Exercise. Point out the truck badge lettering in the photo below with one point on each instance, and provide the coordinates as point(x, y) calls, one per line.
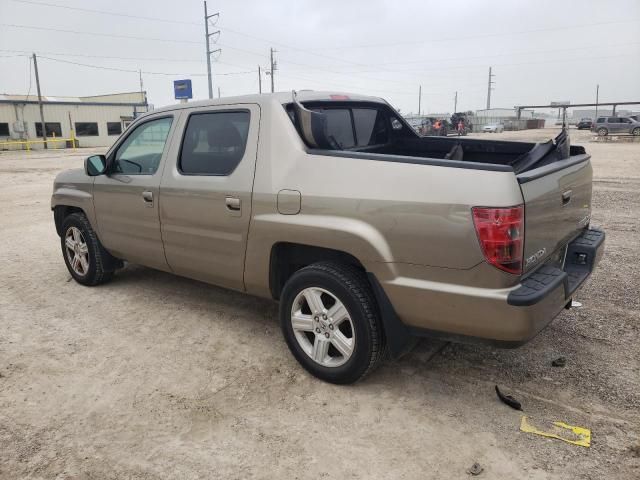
point(535, 257)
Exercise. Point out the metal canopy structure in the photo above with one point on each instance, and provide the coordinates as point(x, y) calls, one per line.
point(519, 108)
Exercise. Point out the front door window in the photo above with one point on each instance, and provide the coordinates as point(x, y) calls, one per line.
point(141, 152)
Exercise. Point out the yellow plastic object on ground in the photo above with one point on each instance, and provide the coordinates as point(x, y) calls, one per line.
point(560, 430)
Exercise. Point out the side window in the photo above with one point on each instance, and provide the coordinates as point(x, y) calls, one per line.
point(613, 120)
point(114, 128)
point(53, 129)
point(141, 151)
point(86, 129)
point(214, 143)
point(600, 120)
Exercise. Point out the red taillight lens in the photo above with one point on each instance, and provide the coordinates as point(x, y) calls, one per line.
point(501, 235)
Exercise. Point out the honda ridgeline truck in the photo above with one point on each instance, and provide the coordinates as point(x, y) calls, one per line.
point(368, 234)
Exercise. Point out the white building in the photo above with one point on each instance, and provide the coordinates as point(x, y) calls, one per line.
point(96, 121)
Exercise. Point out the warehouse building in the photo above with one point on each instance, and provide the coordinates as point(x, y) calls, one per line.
point(94, 121)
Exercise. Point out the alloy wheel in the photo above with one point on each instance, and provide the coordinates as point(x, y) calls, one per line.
point(77, 251)
point(323, 327)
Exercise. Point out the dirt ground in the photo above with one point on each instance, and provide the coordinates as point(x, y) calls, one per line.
point(155, 376)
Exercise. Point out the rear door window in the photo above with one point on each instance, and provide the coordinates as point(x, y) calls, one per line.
point(214, 143)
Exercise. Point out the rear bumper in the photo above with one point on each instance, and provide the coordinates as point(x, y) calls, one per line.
point(508, 317)
point(583, 254)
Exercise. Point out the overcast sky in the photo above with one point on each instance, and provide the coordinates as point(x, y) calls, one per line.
point(540, 51)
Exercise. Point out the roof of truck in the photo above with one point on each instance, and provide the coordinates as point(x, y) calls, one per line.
point(280, 97)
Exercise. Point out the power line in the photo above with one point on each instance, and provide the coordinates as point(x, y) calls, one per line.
point(528, 52)
point(98, 34)
point(128, 37)
point(486, 35)
point(112, 57)
point(100, 67)
point(103, 12)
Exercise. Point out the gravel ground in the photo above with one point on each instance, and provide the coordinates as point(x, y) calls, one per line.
point(155, 376)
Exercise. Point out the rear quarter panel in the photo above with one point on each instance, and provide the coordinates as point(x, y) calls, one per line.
point(381, 212)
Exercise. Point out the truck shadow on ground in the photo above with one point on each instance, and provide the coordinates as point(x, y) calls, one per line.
point(589, 373)
point(251, 313)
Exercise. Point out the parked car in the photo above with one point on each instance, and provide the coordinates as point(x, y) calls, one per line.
point(616, 125)
point(584, 123)
point(493, 128)
point(367, 233)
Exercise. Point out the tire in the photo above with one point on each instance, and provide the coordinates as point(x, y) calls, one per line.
point(99, 265)
point(359, 333)
point(603, 132)
point(636, 131)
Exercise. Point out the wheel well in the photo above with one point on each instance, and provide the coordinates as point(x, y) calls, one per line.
point(287, 258)
point(60, 212)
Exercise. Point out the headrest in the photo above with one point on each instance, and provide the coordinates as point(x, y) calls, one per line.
point(224, 135)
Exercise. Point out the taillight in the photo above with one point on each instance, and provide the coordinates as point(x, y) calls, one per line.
point(501, 235)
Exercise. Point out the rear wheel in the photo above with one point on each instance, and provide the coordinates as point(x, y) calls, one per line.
point(636, 131)
point(86, 259)
point(602, 132)
point(330, 321)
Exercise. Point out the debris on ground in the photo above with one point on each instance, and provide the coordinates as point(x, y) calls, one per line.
point(559, 362)
point(475, 469)
point(508, 400)
point(635, 450)
point(567, 433)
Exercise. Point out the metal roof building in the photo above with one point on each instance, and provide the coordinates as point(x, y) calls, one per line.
point(96, 121)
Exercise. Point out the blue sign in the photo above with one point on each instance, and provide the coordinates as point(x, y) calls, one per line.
point(182, 89)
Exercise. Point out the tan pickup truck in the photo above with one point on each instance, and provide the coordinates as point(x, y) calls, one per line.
point(366, 233)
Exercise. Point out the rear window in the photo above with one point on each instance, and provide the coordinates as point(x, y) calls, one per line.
point(601, 120)
point(355, 127)
point(370, 126)
point(339, 126)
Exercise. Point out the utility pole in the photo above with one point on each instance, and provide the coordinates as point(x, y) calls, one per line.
point(259, 80)
point(597, 95)
point(489, 88)
point(142, 96)
point(218, 92)
point(44, 128)
point(207, 37)
point(419, 99)
point(455, 103)
point(274, 67)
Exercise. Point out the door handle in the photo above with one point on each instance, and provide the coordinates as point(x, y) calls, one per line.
point(566, 197)
point(232, 203)
point(147, 197)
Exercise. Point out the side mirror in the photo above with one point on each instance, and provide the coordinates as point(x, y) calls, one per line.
point(95, 165)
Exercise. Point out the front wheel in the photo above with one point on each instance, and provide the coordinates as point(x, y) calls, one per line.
point(86, 259)
point(330, 321)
